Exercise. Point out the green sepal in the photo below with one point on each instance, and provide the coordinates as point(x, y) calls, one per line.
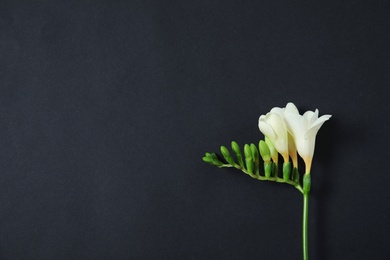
point(275, 170)
point(227, 156)
point(295, 175)
point(264, 151)
point(267, 169)
point(306, 183)
point(255, 157)
point(286, 171)
point(248, 158)
point(237, 151)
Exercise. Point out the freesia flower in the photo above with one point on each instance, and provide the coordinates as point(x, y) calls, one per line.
point(272, 125)
point(287, 133)
point(304, 129)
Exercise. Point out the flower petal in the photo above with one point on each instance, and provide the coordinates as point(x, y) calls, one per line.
point(312, 131)
point(320, 121)
point(311, 116)
point(277, 110)
point(296, 124)
point(266, 129)
point(291, 108)
point(315, 117)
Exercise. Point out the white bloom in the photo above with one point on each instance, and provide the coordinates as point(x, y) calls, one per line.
point(304, 129)
point(272, 125)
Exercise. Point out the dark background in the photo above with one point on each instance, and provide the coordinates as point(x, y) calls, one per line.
point(107, 107)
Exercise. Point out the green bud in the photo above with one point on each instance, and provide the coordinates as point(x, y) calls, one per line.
point(214, 159)
point(267, 169)
point(247, 151)
point(207, 159)
point(248, 158)
point(249, 165)
point(264, 151)
point(306, 183)
point(237, 151)
point(227, 156)
point(286, 171)
point(255, 157)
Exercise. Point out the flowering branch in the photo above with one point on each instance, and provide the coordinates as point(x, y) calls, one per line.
point(252, 165)
point(286, 133)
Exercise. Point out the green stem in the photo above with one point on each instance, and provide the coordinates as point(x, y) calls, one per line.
point(304, 226)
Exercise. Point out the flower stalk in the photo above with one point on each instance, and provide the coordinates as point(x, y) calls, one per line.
point(305, 217)
point(305, 220)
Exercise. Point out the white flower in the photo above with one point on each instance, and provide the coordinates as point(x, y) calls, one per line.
point(304, 129)
point(272, 125)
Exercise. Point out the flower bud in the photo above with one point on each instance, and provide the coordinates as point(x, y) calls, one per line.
point(248, 158)
point(207, 159)
point(255, 157)
point(227, 156)
point(212, 159)
point(264, 151)
point(237, 151)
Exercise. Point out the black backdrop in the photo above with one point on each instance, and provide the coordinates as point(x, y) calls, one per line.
point(107, 107)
